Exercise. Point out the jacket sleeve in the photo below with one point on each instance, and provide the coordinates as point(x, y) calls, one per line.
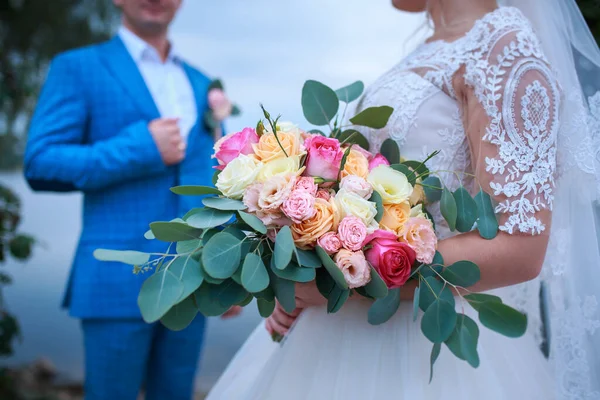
point(57, 157)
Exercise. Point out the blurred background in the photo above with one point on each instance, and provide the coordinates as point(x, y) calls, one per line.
point(263, 50)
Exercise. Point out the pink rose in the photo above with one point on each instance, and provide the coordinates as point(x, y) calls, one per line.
point(324, 157)
point(352, 232)
point(419, 235)
point(358, 185)
point(231, 146)
point(354, 266)
point(251, 196)
point(275, 191)
point(378, 160)
point(392, 259)
point(300, 206)
point(219, 104)
point(307, 184)
point(330, 242)
point(323, 194)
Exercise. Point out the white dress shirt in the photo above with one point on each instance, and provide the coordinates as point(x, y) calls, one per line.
point(167, 81)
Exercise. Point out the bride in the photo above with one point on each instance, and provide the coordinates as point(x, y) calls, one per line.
point(496, 89)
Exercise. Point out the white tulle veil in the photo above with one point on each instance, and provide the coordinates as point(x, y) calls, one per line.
point(571, 273)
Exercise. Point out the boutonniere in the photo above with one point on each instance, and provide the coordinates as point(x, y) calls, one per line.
point(219, 108)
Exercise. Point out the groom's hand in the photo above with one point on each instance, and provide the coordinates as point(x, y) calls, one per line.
point(166, 135)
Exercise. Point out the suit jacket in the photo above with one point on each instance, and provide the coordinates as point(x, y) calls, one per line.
point(90, 133)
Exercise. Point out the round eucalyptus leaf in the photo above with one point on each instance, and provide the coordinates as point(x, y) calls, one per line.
point(337, 298)
point(285, 291)
point(209, 218)
point(349, 93)
point(188, 246)
point(431, 289)
point(174, 231)
point(255, 277)
point(130, 257)
point(376, 198)
point(466, 210)
point(230, 293)
point(439, 321)
point(487, 223)
point(265, 307)
point(433, 189)
point(448, 208)
point(180, 315)
point(391, 151)
point(194, 190)
point(223, 203)
point(284, 248)
point(502, 319)
point(158, 294)
point(373, 117)
point(376, 288)
point(332, 268)
point(188, 271)
point(476, 299)
point(221, 255)
point(463, 340)
point(320, 104)
point(254, 222)
point(295, 273)
point(307, 258)
point(462, 273)
point(383, 309)
point(352, 136)
point(207, 301)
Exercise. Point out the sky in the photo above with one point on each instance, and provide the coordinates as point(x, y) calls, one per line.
point(264, 50)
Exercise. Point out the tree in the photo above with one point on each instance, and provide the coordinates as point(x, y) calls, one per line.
point(31, 33)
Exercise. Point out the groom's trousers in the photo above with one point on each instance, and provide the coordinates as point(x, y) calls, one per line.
point(124, 355)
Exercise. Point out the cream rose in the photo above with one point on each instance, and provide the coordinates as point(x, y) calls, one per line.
point(348, 203)
point(417, 212)
point(392, 185)
point(237, 176)
point(280, 166)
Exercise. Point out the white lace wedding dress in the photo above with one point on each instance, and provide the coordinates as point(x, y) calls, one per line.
point(512, 103)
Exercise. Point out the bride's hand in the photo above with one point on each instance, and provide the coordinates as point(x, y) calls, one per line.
point(280, 321)
point(307, 295)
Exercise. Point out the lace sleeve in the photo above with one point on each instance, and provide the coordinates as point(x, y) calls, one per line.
point(510, 108)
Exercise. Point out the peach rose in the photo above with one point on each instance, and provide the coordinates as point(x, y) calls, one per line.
point(354, 266)
point(275, 191)
point(352, 232)
point(419, 235)
point(395, 216)
point(356, 164)
point(267, 149)
point(330, 242)
point(418, 194)
point(307, 232)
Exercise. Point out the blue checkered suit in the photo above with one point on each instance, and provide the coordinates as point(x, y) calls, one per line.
point(89, 133)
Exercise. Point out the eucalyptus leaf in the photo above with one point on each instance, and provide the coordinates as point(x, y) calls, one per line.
point(406, 171)
point(431, 271)
point(476, 299)
point(267, 294)
point(391, 151)
point(234, 231)
point(215, 177)
point(376, 288)
point(416, 303)
point(221, 255)
point(320, 103)
point(194, 190)
point(332, 268)
point(435, 353)
point(463, 340)
point(325, 283)
point(295, 273)
point(431, 289)
point(376, 198)
point(180, 315)
point(246, 301)
point(419, 168)
point(487, 223)
point(223, 203)
point(349, 93)
point(466, 209)
point(502, 319)
point(207, 301)
point(174, 231)
point(336, 299)
point(462, 273)
point(307, 258)
point(317, 131)
point(255, 277)
point(158, 294)
point(265, 307)
point(383, 309)
point(149, 235)
point(188, 271)
point(448, 208)
point(192, 212)
point(254, 222)
point(230, 293)
point(373, 117)
point(439, 321)
point(352, 136)
point(285, 292)
point(432, 186)
point(130, 257)
point(209, 218)
point(284, 248)
point(188, 246)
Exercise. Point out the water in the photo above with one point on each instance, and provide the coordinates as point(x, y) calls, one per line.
point(38, 286)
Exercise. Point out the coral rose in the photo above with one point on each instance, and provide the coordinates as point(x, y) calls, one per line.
point(307, 232)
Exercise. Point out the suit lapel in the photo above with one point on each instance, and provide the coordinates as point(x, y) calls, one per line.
point(122, 66)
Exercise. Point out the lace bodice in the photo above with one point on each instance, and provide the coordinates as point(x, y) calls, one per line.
point(489, 103)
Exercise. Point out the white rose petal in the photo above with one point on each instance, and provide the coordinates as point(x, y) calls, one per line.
point(392, 185)
point(237, 176)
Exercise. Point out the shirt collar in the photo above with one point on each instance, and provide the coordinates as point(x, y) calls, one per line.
point(139, 49)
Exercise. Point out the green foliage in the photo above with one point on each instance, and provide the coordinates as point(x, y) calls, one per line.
point(320, 103)
point(462, 273)
point(332, 268)
point(373, 117)
point(158, 294)
point(376, 198)
point(449, 209)
point(487, 224)
point(383, 309)
point(352, 92)
point(438, 321)
point(337, 298)
point(221, 255)
point(433, 189)
point(463, 340)
point(255, 277)
point(181, 315)
point(376, 288)
point(284, 248)
point(124, 256)
point(391, 151)
point(466, 210)
point(352, 136)
point(412, 179)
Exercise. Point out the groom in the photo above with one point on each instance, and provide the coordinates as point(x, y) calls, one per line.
point(122, 123)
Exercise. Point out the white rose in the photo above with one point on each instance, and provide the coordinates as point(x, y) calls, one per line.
point(349, 203)
point(237, 176)
point(358, 185)
point(392, 185)
point(280, 166)
point(417, 212)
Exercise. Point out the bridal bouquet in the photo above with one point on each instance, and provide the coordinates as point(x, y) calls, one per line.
point(293, 206)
